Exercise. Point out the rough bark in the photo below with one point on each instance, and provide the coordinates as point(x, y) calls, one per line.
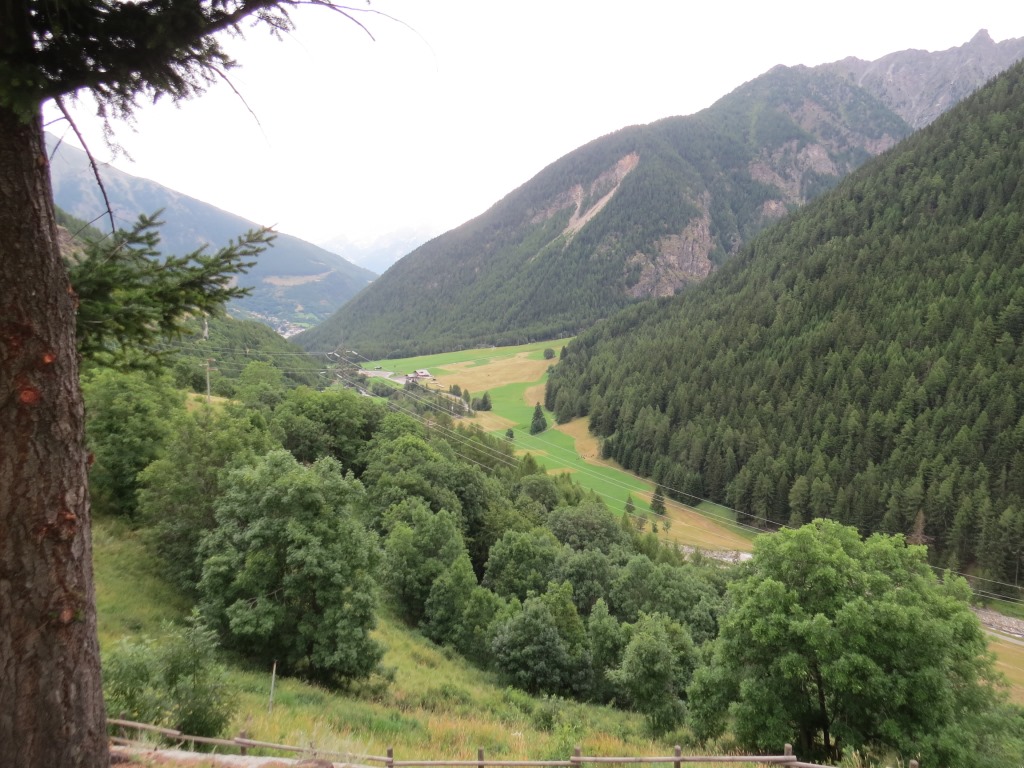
point(51, 703)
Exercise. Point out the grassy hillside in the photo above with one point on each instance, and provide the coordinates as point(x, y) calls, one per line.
point(437, 706)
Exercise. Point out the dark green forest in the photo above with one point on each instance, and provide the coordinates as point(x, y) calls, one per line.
point(513, 275)
point(861, 361)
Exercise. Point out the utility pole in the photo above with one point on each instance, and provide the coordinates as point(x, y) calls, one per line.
point(206, 337)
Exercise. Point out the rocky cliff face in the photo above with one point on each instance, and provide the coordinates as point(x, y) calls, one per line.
point(920, 85)
point(676, 260)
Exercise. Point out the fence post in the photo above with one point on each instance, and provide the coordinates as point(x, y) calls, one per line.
point(121, 730)
point(678, 752)
point(391, 758)
point(577, 755)
point(242, 749)
point(480, 756)
point(788, 750)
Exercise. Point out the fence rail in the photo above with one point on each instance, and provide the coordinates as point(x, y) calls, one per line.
point(243, 743)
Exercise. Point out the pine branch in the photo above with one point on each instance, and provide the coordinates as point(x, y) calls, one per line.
point(130, 298)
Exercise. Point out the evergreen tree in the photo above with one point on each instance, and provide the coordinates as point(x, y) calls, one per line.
point(120, 53)
point(851, 381)
point(658, 501)
point(539, 423)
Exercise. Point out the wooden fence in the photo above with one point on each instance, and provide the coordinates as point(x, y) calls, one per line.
point(243, 743)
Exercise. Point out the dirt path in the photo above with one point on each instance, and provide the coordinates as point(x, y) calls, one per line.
point(159, 758)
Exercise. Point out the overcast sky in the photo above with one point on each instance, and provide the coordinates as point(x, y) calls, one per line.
point(455, 103)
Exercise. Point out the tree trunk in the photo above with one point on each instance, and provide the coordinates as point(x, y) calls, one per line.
point(822, 710)
point(51, 701)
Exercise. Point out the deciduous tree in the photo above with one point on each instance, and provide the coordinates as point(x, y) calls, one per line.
point(834, 641)
point(129, 418)
point(416, 554)
point(530, 652)
point(178, 491)
point(289, 573)
point(656, 667)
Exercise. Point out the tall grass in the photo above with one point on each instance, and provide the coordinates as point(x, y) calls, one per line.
point(132, 597)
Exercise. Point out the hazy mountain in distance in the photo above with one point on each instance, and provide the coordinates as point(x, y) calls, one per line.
point(378, 253)
point(295, 284)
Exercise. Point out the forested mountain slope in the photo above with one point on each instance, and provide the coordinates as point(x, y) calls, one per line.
point(638, 213)
point(293, 282)
point(649, 209)
point(861, 360)
point(215, 350)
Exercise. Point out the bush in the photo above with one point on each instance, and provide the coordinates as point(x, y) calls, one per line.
point(548, 714)
point(175, 682)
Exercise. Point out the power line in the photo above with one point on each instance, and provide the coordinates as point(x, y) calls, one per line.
point(604, 496)
point(561, 452)
point(555, 449)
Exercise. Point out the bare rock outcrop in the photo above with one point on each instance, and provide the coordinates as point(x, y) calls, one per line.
point(919, 85)
point(678, 259)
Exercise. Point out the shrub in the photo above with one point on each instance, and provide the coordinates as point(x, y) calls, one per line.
point(175, 681)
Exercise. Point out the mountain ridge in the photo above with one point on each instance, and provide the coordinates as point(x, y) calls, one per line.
point(294, 283)
point(920, 85)
point(572, 244)
point(596, 230)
